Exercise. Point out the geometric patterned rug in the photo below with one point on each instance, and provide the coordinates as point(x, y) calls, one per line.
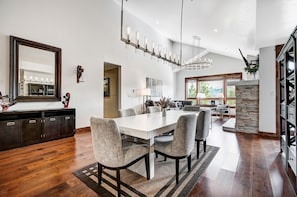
point(162, 184)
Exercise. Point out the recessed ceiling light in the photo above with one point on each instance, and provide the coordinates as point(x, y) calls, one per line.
point(157, 22)
point(215, 30)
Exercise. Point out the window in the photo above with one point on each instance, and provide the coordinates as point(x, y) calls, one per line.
point(191, 88)
point(230, 93)
point(208, 90)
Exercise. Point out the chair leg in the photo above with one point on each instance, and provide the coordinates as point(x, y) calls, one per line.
point(189, 163)
point(204, 145)
point(177, 170)
point(198, 148)
point(99, 173)
point(119, 182)
point(147, 167)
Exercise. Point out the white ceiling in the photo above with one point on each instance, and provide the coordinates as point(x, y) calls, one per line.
point(223, 25)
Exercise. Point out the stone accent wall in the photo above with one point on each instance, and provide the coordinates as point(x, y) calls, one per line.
point(247, 108)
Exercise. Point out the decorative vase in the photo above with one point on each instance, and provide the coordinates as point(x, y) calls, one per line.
point(163, 112)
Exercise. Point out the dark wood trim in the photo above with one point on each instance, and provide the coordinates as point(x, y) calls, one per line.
point(83, 130)
point(223, 77)
point(268, 135)
point(278, 49)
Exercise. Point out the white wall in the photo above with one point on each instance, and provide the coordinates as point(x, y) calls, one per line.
point(267, 96)
point(89, 35)
point(221, 65)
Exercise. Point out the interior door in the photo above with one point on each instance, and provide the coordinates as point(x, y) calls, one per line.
point(111, 90)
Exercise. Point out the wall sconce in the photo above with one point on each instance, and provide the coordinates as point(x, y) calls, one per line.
point(79, 71)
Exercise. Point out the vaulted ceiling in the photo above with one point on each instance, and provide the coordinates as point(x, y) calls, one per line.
point(223, 25)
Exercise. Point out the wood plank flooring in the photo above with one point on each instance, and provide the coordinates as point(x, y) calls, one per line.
point(246, 165)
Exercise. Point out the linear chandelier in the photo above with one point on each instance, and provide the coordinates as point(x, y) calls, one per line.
point(195, 63)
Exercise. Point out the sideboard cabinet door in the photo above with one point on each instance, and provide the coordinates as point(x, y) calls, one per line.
point(67, 126)
point(32, 131)
point(10, 134)
point(51, 128)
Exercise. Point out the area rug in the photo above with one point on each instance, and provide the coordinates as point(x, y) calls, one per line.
point(162, 184)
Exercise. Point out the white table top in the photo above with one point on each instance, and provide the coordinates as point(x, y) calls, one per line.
point(147, 126)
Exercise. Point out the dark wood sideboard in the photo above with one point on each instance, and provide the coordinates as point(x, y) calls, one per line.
point(21, 128)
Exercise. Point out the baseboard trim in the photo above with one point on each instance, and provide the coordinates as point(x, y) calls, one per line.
point(83, 130)
point(268, 135)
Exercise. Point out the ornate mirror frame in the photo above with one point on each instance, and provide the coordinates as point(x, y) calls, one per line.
point(15, 44)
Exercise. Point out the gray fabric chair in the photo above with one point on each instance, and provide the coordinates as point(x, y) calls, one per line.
point(152, 109)
point(109, 151)
point(202, 130)
point(182, 144)
point(191, 108)
point(127, 112)
point(124, 113)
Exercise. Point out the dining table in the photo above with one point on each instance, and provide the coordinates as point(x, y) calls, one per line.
point(146, 127)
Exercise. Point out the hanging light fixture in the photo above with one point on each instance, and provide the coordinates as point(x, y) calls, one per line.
point(194, 63)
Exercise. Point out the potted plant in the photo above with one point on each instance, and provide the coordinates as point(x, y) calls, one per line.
point(252, 67)
point(164, 103)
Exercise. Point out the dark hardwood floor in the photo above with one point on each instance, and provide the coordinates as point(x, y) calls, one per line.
point(246, 165)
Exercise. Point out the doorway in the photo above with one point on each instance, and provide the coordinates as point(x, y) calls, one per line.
point(112, 84)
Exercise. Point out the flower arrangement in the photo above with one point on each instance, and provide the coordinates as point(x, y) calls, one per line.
point(164, 102)
point(4, 104)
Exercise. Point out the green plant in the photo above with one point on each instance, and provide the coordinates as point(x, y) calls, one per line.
point(252, 68)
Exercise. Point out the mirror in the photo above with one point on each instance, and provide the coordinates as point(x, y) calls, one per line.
point(35, 71)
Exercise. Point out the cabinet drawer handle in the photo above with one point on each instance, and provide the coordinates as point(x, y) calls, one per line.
point(52, 119)
point(67, 117)
point(10, 123)
point(32, 121)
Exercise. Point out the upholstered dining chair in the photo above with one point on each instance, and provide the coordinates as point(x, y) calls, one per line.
point(127, 112)
point(109, 151)
point(191, 108)
point(182, 144)
point(152, 109)
point(202, 129)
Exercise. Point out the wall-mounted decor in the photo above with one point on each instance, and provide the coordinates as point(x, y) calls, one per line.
point(79, 71)
point(66, 100)
point(35, 71)
point(155, 86)
point(106, 86)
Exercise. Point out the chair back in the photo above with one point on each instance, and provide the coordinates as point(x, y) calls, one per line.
point(203, 124)
point(191, 108)
point(107, 142)
point(153, 109)
point(127, 112)
point(184, 135)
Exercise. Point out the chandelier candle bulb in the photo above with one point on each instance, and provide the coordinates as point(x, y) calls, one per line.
point(160, 49)
point(137, 39)
point(145, 44)
point(153, 48)
point(128, 34)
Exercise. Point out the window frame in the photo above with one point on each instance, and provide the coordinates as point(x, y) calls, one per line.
point(224, 77)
